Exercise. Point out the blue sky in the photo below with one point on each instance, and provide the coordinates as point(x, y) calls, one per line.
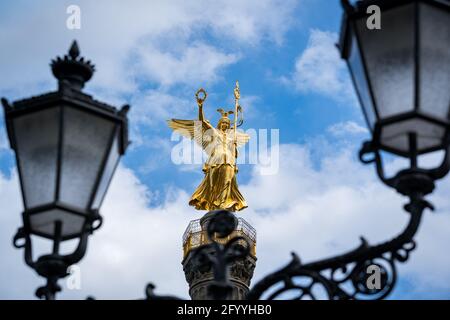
point(154, 55)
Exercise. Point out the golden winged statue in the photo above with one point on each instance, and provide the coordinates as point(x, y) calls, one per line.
point(219, 189)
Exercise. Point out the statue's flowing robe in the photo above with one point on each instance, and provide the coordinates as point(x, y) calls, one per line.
point(218, 189)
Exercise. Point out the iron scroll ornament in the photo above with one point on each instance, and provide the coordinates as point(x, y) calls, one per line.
point(344, 277)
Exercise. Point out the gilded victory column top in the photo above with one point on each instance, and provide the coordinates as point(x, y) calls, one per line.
point(219, 189)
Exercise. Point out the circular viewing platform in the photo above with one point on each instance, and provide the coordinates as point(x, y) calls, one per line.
point(195, 236)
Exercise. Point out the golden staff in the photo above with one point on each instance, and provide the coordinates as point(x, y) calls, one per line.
point(237, 96)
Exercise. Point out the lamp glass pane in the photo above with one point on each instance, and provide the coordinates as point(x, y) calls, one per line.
point(86, 139)
point(108, 172)
point(36, 136)
point(389, 56)
point(434, 51)
point(396, 135)
point(44, 222)
point(359, 79)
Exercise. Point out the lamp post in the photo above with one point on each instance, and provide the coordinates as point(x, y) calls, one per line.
point(67, 146)
point(402, 77)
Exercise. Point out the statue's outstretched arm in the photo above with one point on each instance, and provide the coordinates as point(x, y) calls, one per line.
point(206, 124)
point(201, 116)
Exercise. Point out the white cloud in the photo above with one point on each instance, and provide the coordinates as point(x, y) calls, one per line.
point(251, 21)
point(319, 69)
point(347, 127)
point(141, 51)
point(154, 106)
point(317, 211)
point(197, 63)
point(112, 31)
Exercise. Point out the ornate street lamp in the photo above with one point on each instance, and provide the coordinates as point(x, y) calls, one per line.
point(402, 76)
point(67, 146)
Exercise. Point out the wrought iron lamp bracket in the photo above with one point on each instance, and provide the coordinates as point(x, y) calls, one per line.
point(338, 273)
point(414, 183)
point(54, 266)
point(411, 180)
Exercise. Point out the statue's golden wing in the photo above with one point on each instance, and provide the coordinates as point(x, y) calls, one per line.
point(241, 138)
point(193, 129)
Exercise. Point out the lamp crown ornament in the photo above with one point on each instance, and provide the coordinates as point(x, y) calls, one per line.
point(72, 68)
